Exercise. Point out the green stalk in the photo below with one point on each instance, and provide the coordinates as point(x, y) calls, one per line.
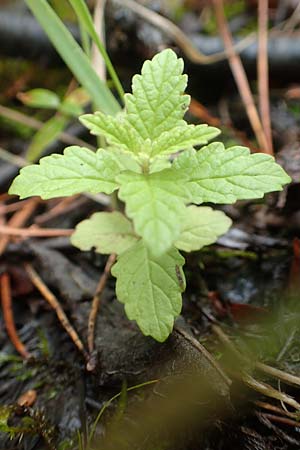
point(86, 20)
point(85, 40)
point(73, 56)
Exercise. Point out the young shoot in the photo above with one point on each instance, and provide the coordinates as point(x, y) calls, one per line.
point(151, 162)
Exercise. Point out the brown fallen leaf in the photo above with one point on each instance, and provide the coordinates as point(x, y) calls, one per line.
point(28, 398)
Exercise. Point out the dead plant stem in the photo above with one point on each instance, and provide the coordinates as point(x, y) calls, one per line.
point(276, 409)
point(268, 370)
point(277, 373)
point(267, 390)
point(179, 37)
point(16, 116)
point(33, 232)
point(8, 316)
point(96, 303)
point(98, 61)
point(283, 420)
point(54, 303)
point(17, 220)
point(240, 77)
point(62, 207)
point(196, 344)
point(263, 71)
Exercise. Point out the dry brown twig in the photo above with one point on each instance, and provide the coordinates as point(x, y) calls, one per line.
point(8, 316)
point(293, 20)
point(276, 409)
point(16, 116)
point(259, 386)
point(240, 77)
point(8, 230)
point(4, 197)
point(278, 419)
point(97, 59)
point(99, 65)
point(13, 207)
point(266, 369)
point(54, 303)
point(277, 373)
point(175, 33)
point(201, 112)
point(196, 344)
point(95, 307)
point(267, 390)
point(17, 220)
point(63, 206)
point(263, 71)
point(15, 160)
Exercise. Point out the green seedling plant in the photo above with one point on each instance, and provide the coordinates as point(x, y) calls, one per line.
point(153, 163)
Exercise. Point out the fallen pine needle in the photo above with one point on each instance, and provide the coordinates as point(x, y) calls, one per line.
point(196, 344)
point(259, 386)
point(268, 370)
point(54, 303)
point(240, 77)
point(263, 71)
point(17, 220)
point(95, 306)
point(174, 32)
point(267, 390)
point(278, 419)
point(63, 207)
point(9, 317)
point(13, 207)
point(276, 409)
point(34, 232)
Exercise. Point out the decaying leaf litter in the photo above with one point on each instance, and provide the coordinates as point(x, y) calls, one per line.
point(247, 256)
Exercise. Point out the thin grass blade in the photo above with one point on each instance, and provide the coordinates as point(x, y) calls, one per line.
point(73, 56)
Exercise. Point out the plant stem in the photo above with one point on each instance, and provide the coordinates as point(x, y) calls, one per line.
point(263, 71)
point(240, 77)
point(95, 307)
point(54, 303)
point(85, 40)
point(73, 56)
point(84, 16)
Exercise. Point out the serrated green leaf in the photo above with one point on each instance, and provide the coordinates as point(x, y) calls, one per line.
point(160, 163)
point(152, 124)
point(183, 137)
point(116, 130)
point(220, 175)
point(150, 287)
point(202, 226)
point(156, 204)
point(40, 98)
point(126, 161)
point(107, 232)
point(157, 102)
point(77, 170)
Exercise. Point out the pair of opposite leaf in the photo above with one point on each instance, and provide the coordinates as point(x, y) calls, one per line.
point(150, 159)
